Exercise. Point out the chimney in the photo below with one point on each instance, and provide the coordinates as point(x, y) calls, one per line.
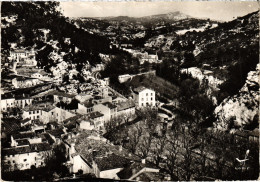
point(143, 161)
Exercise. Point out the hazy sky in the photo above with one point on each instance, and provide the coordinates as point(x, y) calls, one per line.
point(214, 10)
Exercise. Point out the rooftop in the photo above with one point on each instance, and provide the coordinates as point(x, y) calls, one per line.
point(39, 106)
point(10, 125)
point(111, 161)
point(24, 135)
point(88, 103)
point(56, 132)
point(62, 94)
point(125, 105)
point(22, 142)
point(90, 145)
point(109, 105)
point(27, 149)
point(136, 166)
point(94, 115)
point(140, 89)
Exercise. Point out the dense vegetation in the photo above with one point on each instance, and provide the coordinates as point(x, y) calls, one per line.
point(33, 16)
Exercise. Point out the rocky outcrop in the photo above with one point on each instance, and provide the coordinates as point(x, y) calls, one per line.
point(242, 109)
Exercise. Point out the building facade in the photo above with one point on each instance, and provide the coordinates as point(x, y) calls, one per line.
point(144, 97)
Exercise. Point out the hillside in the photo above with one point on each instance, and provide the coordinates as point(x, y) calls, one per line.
point(241, 110)
point(41, 26)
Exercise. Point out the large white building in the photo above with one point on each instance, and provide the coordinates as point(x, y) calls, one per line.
point(25, 57)
point(19, 101)
point(144, 97)
point(46, 113)
point(26, 156)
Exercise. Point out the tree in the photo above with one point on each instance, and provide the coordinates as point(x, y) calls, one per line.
point(145, 143)
point(172, 153)
point(134, 137)
point(158, 149)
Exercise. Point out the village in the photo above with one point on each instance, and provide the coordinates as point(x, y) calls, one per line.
point(166, 97)
point(35, 123)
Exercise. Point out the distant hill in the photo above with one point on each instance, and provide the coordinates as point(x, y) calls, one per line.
point(168, 17)
point(177, 15)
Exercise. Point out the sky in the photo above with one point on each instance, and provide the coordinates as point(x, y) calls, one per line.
point(224, 11)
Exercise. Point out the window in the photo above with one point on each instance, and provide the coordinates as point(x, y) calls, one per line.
point(146, 94)
point(151, 94)
point(142, 99)
point(25, 160)
point(142, 104)
point(38, 117)
point(38, 111)
point(151, 98)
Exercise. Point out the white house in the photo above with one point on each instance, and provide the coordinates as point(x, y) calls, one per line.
point(22, 82)
point(85, 107)
point(21, 158)
point(151, 58)
point(86, 125)
point(7, 103)
point(15, 101)
point(62, 96)
point(46, 113)
point(23, 57)
point(108, 109)
point(144, 97)
point(124, 78)
point(97, 119)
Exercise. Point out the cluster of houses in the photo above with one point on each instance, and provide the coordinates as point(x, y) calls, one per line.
point(23, 57)
point(33, 124)
point(143, 56)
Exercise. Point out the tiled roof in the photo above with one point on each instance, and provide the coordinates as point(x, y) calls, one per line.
point(62, 94)
point(10, 125)
point(56, 132)
point(21, 78)
point(39, 106)
point(111, 161)
point(22, 142)
point(127, 172)
point(88, 103)
point(125, 105)
point(91, 146)
point(27, 149)
point(24, 135)
point(72, 120)
point(140, 89)
point(25, 120)
point(46, 137)
point(7, 96)
point(94, 115)
point(109, 105)
point(21, 97)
